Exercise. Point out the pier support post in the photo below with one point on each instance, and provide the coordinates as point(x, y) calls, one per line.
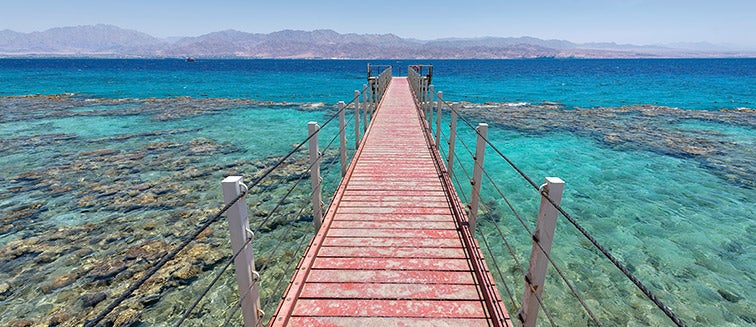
point(480, 153)
point(368, 111)
point(544, 235)
point(356, 119)
point(452, 140)
point(439, 96)
point(317, 207)
point(244, 263)
point(342, 138)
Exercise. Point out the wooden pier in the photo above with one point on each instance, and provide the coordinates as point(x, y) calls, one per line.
point(394, 248)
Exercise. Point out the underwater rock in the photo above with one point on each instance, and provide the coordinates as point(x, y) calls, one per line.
point(127, 317)
point(148, 251)
point(185, 274)
point(203, 254)
point(91, 300)
point(59, 282)
point(21, 323)
point(134, 205)
point(23, 211)
point(645, 127)
point(149, 300)
point(108, 270)
point(59, 319)
point(727, 295)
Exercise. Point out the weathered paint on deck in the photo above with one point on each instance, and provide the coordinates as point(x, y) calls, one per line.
point(392, 250)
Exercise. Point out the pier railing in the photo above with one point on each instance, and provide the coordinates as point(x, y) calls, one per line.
point(362, 107)
point(241, 237)
point(444, 139)
point(441, 120)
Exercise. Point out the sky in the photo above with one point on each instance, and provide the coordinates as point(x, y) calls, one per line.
point(639, 22)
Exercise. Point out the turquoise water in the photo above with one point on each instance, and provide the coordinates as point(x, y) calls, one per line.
point(88, 168)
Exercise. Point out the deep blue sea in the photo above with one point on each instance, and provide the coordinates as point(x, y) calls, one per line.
point(105, 159)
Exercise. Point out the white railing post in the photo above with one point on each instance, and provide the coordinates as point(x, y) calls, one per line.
point(544, 235)
point(356, 120)
point(429, 107)
point(452, 140)
point(480, 153)
point(421, 98)
point(439, 96)
point(317, 207)
point(365, 107)
point(244, 263)
point(371, 95)
point(342, 138)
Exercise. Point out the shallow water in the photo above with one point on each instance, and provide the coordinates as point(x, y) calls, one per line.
point(124, 168)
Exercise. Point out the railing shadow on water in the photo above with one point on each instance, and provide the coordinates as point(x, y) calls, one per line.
point(254, 300)
point(491, 229)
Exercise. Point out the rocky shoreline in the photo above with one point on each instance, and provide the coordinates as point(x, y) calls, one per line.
point(77, 228)
point(645, 127)
point(80, 269)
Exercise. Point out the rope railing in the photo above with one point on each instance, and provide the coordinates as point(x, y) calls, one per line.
point(271, 213)
point(189, 238)
point(376, 89)
point(509, 248)
point(420, 90)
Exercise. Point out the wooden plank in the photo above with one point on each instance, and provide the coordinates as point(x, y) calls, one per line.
point(404, 217)
point(391, 276)
point(415, 211)
point(394, 204)
point(392, 252)
point(392, 242)
point(392, 264)
point(386, 322)
point(394, 291)
point(435, 192)
point(413, 233)
point(392, 198)
point(390, 308)
point(394, 224)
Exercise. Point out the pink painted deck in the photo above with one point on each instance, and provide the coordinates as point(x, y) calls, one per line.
point(392, 250)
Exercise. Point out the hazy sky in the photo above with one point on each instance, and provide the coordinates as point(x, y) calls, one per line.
point(622, 21)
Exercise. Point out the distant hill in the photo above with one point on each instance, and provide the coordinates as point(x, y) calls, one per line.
point(112, 41)
point(80, 40)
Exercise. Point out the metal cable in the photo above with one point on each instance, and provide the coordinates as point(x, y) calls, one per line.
point(286, 272)
point(212, 283)
point(509, 204)
point(237, 306)
point(585, 233)
point(498, 270)
point(467, 122)
point(569, 285)
point(590, 313)
point(567, 282)
point(138, 283)
point(519, 265)
point(618, 264)
point(291, 189)
point(286, 233)
point(270, 214)
point(538, 298)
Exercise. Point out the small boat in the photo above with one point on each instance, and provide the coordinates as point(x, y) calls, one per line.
point(190, 59)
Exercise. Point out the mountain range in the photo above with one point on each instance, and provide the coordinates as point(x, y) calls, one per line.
point(109, 41)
